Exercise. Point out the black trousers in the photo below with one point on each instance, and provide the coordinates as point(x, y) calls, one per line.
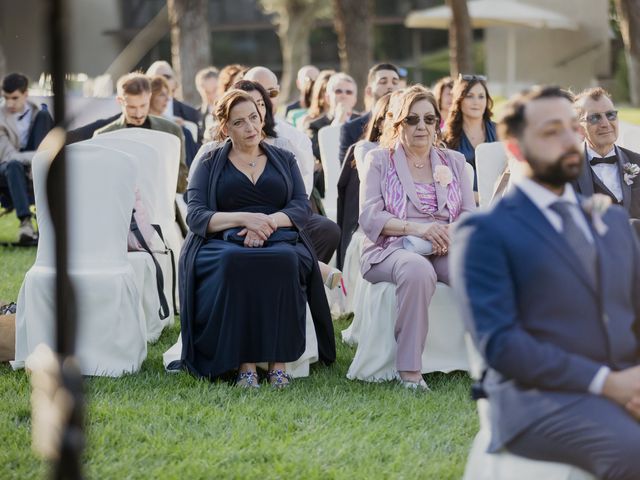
point(325, 236)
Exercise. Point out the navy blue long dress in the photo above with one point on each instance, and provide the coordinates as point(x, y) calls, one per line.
point(243, 304)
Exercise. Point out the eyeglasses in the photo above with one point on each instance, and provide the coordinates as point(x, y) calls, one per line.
point(274, 92)
point(414, 120)
point(339, 91)
point(470, 78)
point(594, 118)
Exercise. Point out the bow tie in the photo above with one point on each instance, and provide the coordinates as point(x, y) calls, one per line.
point(612, 160)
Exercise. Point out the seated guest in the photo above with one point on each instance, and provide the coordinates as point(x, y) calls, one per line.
point(176, 110)
point(134, 96)
point(227, 77)
point(22, 127)
point(319, 104)
point(324, 233)
point(551, 290)
point(469, 123)
point(442, 90)
point(383, 78)
point(349, 181)
point(412, 188)
point(305, 78)
point(246, 269)
point(608, 169)
point(158, 104)
point(207, 86)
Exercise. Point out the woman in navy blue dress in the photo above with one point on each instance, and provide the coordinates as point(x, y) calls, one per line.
point(247, 271)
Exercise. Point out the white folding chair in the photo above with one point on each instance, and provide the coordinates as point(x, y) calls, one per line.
point(504, 465)
point(147, 159)
point(161, 182)
point(111, 336)
point(491, 160)
point(329, 143)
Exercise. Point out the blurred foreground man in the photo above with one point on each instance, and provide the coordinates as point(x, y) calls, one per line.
point(550, 285)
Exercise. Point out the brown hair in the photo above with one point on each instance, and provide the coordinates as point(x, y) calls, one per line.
point(373, 131)
point(158, 82)
point(135, 83)
point(453, 128)
point(226, 76)
point(318, 104)
point(439, 88)
point(225, 104)
point(594, 93)
point(411, 95)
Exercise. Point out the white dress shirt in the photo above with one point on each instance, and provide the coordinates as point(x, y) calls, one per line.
point(607, 173)
point(543, 199)
point(23, 121)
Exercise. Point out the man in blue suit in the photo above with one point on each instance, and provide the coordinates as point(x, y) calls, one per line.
point(550, 287)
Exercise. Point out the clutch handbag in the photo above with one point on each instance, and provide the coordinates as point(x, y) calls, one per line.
point(417, 245)
point(288, 235)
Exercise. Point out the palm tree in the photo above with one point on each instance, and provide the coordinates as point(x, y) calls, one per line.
point(460, 38)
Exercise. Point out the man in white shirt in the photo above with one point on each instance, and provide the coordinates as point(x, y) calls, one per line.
point(608, 167)
point(324, 233)
point(22, 127)
point(550, 289)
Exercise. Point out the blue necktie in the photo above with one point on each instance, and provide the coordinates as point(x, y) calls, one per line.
point(577, 240)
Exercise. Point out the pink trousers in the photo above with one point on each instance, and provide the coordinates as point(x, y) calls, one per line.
point(415, 279)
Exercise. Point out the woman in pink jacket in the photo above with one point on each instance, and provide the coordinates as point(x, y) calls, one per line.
point(413, 191)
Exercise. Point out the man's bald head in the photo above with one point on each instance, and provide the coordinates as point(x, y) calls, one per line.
point(264, 77)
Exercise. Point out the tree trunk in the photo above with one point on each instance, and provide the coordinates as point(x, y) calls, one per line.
point(190, 44)
point(3, 63)
point(352, 21)
point(629, 16)
point(460, 38)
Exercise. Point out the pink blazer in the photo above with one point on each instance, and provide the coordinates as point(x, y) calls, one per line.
point(373, 214)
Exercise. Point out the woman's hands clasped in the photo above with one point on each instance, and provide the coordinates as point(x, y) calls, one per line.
point(258, 227)
point(438, 235)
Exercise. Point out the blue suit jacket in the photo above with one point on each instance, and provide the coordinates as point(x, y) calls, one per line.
point(351, 132)
point(542, 327)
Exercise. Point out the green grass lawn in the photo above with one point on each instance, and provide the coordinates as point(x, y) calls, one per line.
point(155, 425)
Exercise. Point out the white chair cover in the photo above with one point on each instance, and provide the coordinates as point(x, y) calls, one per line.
point(192, 129)
point(629, 137)
point(297, 369)
point(147, 160)
point(504, 465)
point(375, 316)
point(351, 272)
point(111, 337)
point(491, 160)
point(159, 183)
point(329, 143)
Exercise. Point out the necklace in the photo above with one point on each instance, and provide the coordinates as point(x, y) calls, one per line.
point(253, 164)
point(419, 165)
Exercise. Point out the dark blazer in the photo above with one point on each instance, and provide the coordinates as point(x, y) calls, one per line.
point(201, 207)
point(292, 106)
point(348, 205)
point(543, 328)
point(186, 112)
point(351, 132)
point(86, 131)
point(588, 183)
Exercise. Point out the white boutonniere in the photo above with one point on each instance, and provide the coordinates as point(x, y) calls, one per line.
point(596, 206)
point(630, 171)
point(442, 174)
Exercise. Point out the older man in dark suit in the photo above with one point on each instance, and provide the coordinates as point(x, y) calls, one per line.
point(550, 287)
point(608, 169)
point(383, 78)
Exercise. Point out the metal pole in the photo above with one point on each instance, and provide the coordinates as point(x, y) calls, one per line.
point(67, 464)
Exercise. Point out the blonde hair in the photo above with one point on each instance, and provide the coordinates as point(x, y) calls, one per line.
point(226, 103)
point(399, 110)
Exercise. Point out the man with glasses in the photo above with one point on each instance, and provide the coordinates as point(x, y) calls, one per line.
point(609, 169)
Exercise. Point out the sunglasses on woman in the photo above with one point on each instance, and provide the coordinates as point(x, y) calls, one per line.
point(470, 78)
point(414, 120)
point(594, 118)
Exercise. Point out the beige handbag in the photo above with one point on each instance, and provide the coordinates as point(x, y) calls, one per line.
point(7, 337)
